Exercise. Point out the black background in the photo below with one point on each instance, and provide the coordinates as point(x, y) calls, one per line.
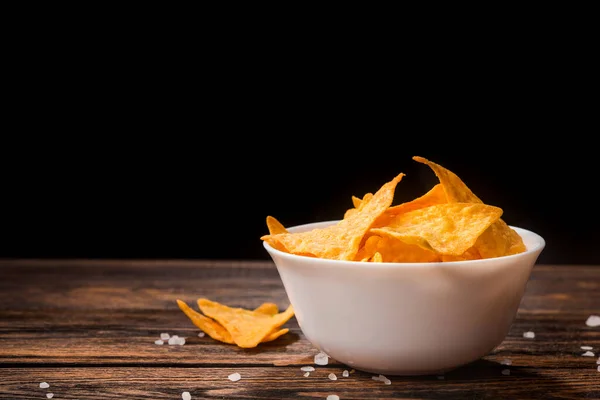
point(126, 156)
point(208, 197)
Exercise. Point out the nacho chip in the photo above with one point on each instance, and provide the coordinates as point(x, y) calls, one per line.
point(247, 328)
point(470, 254)
point(342, 240)
point(207, 325)
point(267, 308)
point(275, 227)
point(499, 239)
point(377, 257)
point(394, 250)
point(434, 196)
point(218, 332)
point(357, 204)
point(448, 229)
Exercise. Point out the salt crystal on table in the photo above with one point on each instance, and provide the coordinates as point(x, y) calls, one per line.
point(159, 342)
point(506, 361)
point(201, 334)
point(176, 340)
point(588, 354)
point(593, 320)
point(49, 395)
point(234, 377)
point(186, 396)
point(345, 374)
point(529, 335)
point(387, 382)
point(44, 385)
point(506, 372)
point(165, 336)
point(333, 397)
point(587, 348)
point(332, 377)
point(307, 369)
point(598, 361)
point(306, 374)
point(598, 368)
point(321, 359)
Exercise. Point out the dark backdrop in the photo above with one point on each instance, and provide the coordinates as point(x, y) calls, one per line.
point(144, 158)
point(207, 195)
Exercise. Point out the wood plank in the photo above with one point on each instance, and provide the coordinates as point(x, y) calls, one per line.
point(483, 380)
point(89, 327)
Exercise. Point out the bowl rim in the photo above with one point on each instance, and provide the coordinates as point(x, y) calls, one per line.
point(541, 243)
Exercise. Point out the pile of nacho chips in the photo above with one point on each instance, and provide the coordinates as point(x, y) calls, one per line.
point(245, 328)
point(448, 223)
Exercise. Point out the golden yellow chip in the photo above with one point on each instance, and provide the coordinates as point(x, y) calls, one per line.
point(368, 249)
point(216, 331)
point(207, 325)
point(267, 308)
point(446, 229)
point(275, 227)
point(357, 204)
point(342, 240)
point(394, 250)
point(247, 328)
point(377, 257)
point(499, 239)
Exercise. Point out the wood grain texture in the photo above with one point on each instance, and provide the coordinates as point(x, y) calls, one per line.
point(88, 328)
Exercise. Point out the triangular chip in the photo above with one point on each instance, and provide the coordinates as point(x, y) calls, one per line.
point(446, 229)
point(247, 328)
point(433, 197)
point(267, 308)
point(216, 331)
point(342, 240)
point(207, 325)
point(499, 239)
point(357, 202)
point(275, 227)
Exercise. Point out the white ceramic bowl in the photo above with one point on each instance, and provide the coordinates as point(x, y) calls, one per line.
point(406, 318)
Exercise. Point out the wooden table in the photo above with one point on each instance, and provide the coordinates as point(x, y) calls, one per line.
point(88, 328)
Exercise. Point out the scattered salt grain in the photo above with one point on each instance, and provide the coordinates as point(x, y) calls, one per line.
point(49, 395)
point(506, 372)
point(588, 354)
point(598, 368)
point(186, 396)
point(176, 340)
point(159, 342)
point(387, 382)
point(332, 377)
point(44, 385)
point(381, 378)
point(234, 377)
point(306, 374)
point(587, 348)
point(345, 374)
point(593, 320)
point(321, 359)
point(165, 336)
point(506, 361)
point(201, 334)
point(333, 397)
point(598, 361)
point(529, 335)
point(307, 369)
